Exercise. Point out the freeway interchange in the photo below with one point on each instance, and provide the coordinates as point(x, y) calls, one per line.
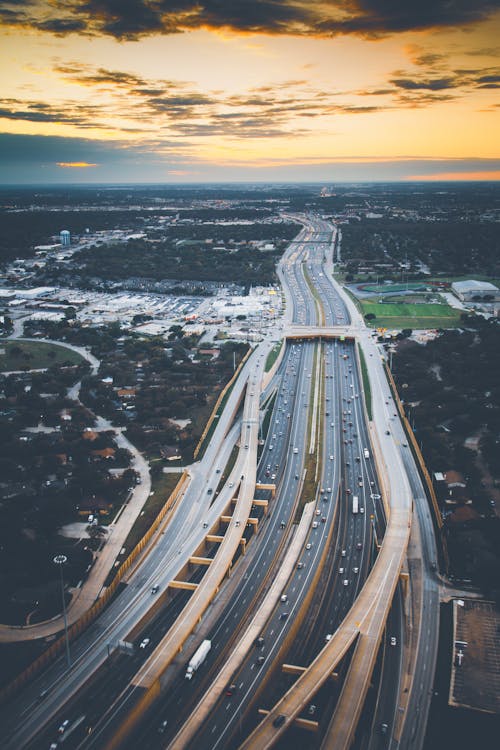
point(292, 570)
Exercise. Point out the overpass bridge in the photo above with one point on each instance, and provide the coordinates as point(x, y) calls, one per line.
point(147, 683)
point(309, 333)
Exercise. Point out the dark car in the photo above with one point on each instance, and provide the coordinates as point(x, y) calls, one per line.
point(279, 720)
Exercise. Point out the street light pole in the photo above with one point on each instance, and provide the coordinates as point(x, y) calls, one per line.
point(60, 560)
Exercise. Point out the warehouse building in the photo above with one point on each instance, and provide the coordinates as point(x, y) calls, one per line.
point(476, 291)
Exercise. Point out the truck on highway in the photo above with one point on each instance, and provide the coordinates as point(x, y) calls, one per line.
point(366, 453)
point(198, 658)
point(355, 504)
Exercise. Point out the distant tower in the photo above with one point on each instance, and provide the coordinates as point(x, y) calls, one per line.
point(65, 237)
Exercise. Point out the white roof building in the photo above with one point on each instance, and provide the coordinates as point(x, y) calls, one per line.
point(468, 290)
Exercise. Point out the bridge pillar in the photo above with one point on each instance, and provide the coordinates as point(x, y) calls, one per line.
point(405, 580)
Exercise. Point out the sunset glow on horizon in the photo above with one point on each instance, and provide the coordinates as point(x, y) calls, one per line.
point(249, 91)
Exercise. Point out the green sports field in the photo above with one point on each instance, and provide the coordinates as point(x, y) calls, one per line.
point(402, 315)
point(34, 355)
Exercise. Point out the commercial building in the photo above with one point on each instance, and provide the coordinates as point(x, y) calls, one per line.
point(476, 291)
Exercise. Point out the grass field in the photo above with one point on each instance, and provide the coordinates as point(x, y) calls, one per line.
point(403, 315)
point(34, 355)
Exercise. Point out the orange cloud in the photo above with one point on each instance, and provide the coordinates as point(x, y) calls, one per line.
point(454, 176)
point(75, 164)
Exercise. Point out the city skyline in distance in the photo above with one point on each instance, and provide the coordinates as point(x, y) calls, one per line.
point(362, 90)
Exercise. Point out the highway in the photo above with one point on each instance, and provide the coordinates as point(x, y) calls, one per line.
point(318, 420)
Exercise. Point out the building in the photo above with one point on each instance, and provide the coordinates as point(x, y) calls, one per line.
point(476, 291)
point(65, 237)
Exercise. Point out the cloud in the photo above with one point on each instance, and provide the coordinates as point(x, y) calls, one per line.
point(133, 19)
point(75, 164)
point(437, 84)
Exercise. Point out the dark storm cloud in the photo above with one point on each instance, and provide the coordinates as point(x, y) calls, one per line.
point(432, 85)
point(461, 80)
point(133, 19)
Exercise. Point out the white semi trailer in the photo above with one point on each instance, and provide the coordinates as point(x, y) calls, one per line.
point(198, 658)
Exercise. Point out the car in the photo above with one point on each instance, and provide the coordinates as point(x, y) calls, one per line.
point(361, 510)
point(328, 637)
point(279, 720)
point(311, 710)
point(296, 476)
point(308, 545)
point(387, 432)
point(359, 545)
point(283, 615)
point(405, 445)
point(393, 641)
point(155, 589)
point(383, 728)
point(230, 689)
point(284, 598)
point(64, 726)
point(261, 659)
point(341, 570)
point(163, 727)
point(300, 565)
point(238, 523)
point(231, 484)
point(323, 519)
point(217, 471)
point(331, 458)
point(209, 491)
point(343, 553)
point(355, 570)
point(315, 525)
point(317, 512)
point(145, 643)
point(345, 582)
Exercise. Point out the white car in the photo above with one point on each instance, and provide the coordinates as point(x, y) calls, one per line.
point(145, 643)
point(393, 641)
point(308, 545)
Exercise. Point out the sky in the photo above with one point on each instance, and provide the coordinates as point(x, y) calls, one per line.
point(99, 91)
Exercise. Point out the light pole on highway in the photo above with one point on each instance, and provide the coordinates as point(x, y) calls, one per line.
point(60, 561)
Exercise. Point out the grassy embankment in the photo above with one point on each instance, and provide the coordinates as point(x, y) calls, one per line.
point(273, 355)
point(366, 383)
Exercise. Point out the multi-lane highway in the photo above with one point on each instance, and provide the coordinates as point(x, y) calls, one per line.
point(318, 449)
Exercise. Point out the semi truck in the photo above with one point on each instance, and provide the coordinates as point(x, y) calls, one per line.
point(198, 658)
point(355, 504)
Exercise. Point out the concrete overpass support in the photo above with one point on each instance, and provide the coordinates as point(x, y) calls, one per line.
point(262, 504)
point(183, 585)
point(200, 560)
point(214, 538)
point(262, 486)
point(292, 669)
